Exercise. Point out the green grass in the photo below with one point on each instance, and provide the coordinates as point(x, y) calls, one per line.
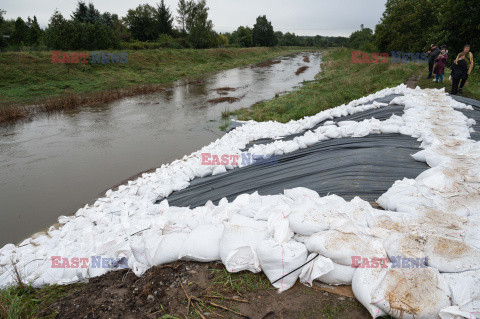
point(30, 77)
point(341, 81)
point(471, 88)
point(241, 282)
point(27, 302)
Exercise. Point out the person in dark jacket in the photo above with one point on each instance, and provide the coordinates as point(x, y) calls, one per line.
point(459, 72)
point(432, 56)
point(440, 64)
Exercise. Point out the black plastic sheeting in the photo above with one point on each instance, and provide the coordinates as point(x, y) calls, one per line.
point(348, 167)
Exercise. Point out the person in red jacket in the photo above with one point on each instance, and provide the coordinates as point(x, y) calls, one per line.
point(440, 63)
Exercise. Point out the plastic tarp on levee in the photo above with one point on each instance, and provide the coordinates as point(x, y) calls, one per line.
point(382, 194)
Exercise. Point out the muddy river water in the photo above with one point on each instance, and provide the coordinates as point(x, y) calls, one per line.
point(56, 164)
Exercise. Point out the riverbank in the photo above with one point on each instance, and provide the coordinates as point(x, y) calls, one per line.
point(342, 81)
point(29, 78)
point(164, 292)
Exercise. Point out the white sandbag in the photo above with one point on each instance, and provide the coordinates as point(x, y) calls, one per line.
point(412, 293)
point(202, 244)
point(300, 192)
point(339, 275)
point(405, 246)
point(279, 227)
point(277, 260)
point(450, 255)
point(389, 129)
point(420, 156)
point(218, 170)
point(168, 248)
point(315, 269)
point(306, 219)
point(454, 312)
point(238, 247)
point(465, 295)
point(341, 247)
point(364, 283)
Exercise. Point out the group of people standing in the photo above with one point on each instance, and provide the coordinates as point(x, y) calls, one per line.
point(461, 67)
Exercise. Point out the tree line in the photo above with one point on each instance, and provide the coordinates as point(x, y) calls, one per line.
point(412, 26)
point(145, 27)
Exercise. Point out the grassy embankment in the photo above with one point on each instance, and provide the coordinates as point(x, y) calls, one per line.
point(341, 82)
point(30, 78)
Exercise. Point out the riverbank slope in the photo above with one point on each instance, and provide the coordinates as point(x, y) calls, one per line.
point(29, 78)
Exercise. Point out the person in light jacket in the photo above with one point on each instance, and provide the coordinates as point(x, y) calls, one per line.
point(459, 72)
point(469, 60)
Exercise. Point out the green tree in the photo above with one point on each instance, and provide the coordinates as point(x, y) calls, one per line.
point(222, 40)
point(3, 41)
point(21, 33)
point(459, 24)
point(164, 19)
point(362, 39)
point(64, 34)
point(242, 37)
point(86, 14)
point(35, 33)
point(263, 34)
point(407, 25)
point(199, 27)
point(183, 10)
point(289, 39)
point(142, 23)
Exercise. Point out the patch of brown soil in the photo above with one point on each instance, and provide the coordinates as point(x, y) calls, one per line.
point(224, 89)
point(223, 99)
point(266, 64)
point(301, 70)
point(412, 82)
point(163, 291)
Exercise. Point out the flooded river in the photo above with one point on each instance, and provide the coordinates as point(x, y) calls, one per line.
point(56, 164)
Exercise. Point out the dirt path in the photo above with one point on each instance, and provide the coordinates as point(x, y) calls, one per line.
point(162, 291)
point(412, 82)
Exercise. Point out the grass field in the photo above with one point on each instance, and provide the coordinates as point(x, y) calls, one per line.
point(30, 77)
point(341, 82)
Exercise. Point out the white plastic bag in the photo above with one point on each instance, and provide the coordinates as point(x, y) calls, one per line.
point(465, 295)
point(238, 247)
point(340, 247)
point(202, 244)
point(315, 269)
point(278, 260)
point(339, 275)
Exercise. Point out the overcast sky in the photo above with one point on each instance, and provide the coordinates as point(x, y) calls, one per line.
point(304, 17)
